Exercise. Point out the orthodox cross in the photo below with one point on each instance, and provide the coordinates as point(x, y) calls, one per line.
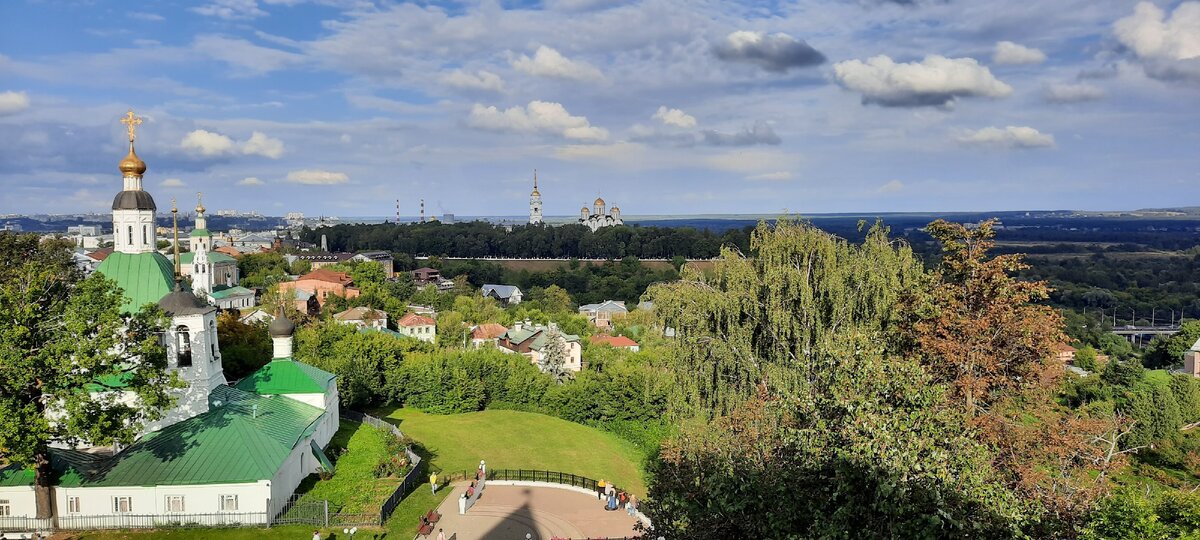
point(131, 122)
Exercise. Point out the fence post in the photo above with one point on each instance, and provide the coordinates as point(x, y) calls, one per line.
point(326, 512)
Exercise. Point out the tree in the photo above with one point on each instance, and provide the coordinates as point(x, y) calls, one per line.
point(1165, 352)
point(1085, 358)
point(978, 328)
point(244, 347)
point(66, 348)
point(554, 356)
point(556, 299)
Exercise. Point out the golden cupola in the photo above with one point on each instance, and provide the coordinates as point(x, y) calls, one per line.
point(132, 165)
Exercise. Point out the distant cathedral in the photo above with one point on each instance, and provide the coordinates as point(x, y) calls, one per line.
point(597, 218)
point(594, 219)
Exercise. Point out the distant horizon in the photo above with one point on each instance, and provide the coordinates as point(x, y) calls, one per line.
point(661, 107)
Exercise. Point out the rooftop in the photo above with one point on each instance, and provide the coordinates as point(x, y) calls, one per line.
point(361, 313)
point(324, 274)
point(286, 376)
point(144, 277)
point(412, 319)
point(615, 341)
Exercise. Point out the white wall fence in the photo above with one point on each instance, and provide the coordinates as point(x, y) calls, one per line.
point(134, 521)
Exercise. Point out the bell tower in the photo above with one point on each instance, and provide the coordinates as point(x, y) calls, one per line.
point(535, 203)
point(133, 208)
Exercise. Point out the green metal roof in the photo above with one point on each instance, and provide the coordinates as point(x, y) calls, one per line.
point(286, 376)
point(200, 232)
point(224, 291)
point(244, 439)
point(213, 257)
point(144, 277)
point(320, 455)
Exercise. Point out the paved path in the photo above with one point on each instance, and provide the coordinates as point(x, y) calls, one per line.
point(511, 512)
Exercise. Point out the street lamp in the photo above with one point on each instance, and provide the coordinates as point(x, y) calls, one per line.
point(351, 532)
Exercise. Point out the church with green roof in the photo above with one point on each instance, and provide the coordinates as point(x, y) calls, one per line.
point(237, 452)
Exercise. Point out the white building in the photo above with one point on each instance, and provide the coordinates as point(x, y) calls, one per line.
point(597, 218)
point(417, 326)
point(231, 453)
point(532, 341)
point(535, 203)
point(507, 295)
point(363, 317)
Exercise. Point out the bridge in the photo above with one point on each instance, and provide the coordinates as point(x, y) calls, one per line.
point(1146, 330)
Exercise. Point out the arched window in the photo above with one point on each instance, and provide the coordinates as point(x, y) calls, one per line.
point(145, 237)
point(131, 235)
point(212, 331)
point(183, 347)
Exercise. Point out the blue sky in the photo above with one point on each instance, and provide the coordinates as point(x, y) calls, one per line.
point(340, 107)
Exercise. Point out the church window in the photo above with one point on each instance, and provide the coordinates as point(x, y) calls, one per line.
point(130, 236)
point(228, 503)
point(72, 505)
point(183, 347)
point(5, 508)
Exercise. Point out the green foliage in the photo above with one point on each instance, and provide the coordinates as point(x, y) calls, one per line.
point(1168, 351)
point(244, 347)
point(1123, 374)
point(1085, 358)
point(61, 337)
point(1131, 514)
point(360, 359)
point(262, 269)
point(447, 382)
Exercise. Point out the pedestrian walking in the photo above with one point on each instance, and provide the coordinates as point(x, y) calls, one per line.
point(600, 490)
point(433, 482)
point(441, 534)
point(316, 535)
point(631, 506)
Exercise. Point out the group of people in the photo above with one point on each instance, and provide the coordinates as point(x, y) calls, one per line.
point(616, 499)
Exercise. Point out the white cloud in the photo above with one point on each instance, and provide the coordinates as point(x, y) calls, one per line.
point(261, 145)
point(244, 55)
point(207, 143)
point(1072, 93)
point(211, 144)
point(752, 162)
point(537, 117)
point(547, 62)
point(674, 117)
point(145, 16)
point(172, 183)
point(1151, 34)
point(893, 186)
point(775, 52)
point(250, 181)
point(480, 80)
point(777, 176)
point(935, 81)
point(1169, 47)
point(1008, 137)
point(1008, 52)
point(231, 9)
point(317, 177)
point(13, 102)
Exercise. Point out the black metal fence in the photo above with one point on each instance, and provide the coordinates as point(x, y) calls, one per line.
point(529, 475)
point(415, 473)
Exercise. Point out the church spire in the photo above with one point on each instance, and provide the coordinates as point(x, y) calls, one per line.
point(132, 166)
point(175, 226)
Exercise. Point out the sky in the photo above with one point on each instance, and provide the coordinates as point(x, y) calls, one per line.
point(341, 107)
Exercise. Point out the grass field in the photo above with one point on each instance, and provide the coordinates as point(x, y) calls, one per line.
point(354, 489)
point(520, 440)
point(506, 439)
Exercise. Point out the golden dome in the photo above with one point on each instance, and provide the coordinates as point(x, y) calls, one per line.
point(536, 193)
point(584, 210)
point(199, 208)
point(132, 164)
point(599, 200)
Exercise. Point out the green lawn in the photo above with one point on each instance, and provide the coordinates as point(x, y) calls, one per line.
point(521, 440)
point(354, 488)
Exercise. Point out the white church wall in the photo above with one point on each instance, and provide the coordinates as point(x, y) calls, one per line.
point(316, 400)
point(141, 223)
point(21, 501)
point(252, 497)
point(298, 465)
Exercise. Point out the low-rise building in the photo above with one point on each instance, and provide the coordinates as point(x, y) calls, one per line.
point(616, 342)
point(362, 317)
point(321, 259)
point(486, 334)
point(507, 295)
point(1064, 353)
point(602, 314)
point(382, 258)
point(533, 341)
point(322, 283)
point(417, 326)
